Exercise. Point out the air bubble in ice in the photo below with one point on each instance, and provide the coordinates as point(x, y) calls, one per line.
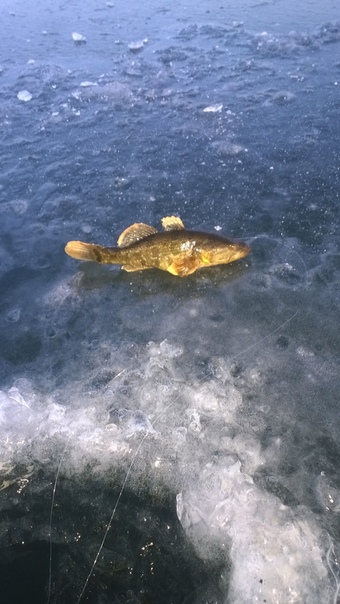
point(180, 434)
point(13, 315)
point(131, 421)
point(328, 494)
point(194, 420)
point(50, 331)
point(86, 228)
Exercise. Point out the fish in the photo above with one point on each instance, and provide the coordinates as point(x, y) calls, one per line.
point(176, 249)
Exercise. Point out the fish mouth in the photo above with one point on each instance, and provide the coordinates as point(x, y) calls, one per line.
point(243, 249)
point(235, 252)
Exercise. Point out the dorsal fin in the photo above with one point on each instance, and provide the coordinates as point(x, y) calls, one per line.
point(134, 233)
point(172, 223)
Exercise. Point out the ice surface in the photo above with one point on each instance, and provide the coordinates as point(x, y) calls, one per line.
point(221, 388)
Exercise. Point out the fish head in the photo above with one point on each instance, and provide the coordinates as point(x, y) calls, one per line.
point(223, 251)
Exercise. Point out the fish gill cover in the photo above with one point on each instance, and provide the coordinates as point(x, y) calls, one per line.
point(161, 439)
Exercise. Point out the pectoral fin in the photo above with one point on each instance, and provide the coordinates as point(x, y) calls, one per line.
point(183, 268)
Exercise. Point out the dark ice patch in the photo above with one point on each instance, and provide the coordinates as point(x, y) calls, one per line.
point(23, 349)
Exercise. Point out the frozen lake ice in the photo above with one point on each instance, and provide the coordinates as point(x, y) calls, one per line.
point(169, 440)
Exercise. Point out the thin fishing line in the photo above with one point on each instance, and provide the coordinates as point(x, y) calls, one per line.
point(51, 518)
point(266, 337)
point(120, 495)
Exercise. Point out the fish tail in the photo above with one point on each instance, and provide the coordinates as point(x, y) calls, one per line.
point(84, 251)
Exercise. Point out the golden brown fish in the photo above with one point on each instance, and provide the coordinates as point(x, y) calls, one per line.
point(176, 250)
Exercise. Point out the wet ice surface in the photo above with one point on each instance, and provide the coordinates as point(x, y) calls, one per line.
point(217, 395)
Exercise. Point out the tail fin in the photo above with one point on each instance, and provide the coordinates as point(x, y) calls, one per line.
point(83, 251)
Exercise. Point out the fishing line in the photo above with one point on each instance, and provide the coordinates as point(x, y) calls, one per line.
point(290, 318)
point(114, 511)
point(51, 518)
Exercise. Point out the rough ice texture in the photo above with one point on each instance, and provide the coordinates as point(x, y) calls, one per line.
point(277, 554)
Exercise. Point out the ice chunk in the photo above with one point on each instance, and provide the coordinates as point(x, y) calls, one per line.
point(277, 554)
point(15, 416)
point(169, 350)
point(78, 38)
point(15, 396)
point(213, 108)
point(136, 46)
point(24, 95)
point(87, 83)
